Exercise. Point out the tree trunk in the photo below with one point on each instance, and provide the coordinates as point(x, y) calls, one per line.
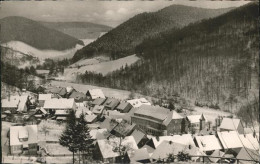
point(73, 156)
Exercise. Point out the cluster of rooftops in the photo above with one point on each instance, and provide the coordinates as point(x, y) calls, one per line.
point(229, 135)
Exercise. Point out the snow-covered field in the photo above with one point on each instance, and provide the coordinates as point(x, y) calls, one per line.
point(91, 61)
point(109, 92)
point(41, 54)
point(103, 67)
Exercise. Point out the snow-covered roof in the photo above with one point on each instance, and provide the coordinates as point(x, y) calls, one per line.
point(90, 118)
point(84, 110)
point(98, 134)
point(196, 118)
point(10, 104)
point(96, 93)
point(107, 146)
point(208, 143)
point(17, 132)
point(59, 104)
point(138, 102)
point(230, 139)
point(43, 110)
point(45, 96)
point(247, 154)
point(229, 123)
point(61, 112)
point(138, 155)
point(249, 141)
point(185, 139)
point(172, 115)
point(167, 147)
point(98, 109)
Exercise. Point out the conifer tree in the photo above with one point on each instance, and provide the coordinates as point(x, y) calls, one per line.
point(69, 137)
point(84, 137)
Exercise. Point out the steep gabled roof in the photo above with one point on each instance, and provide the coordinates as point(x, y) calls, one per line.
point(156, 112)
point(229, 123)
point(138, 155)
point(123, 105)
point(98, 109)
point(208, 143)
point(184, 139)
point(248, 154)
point(111, 102)
point(96, 93)
point(138, 135)
point(230, 139)
point(196, 118)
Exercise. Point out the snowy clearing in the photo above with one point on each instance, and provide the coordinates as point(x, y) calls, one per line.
point(103, 67)
point(41, 54)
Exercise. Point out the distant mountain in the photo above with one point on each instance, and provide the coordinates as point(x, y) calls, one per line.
point(122, 40)
point(80, 30)
point(35, 34)
point(214, 62)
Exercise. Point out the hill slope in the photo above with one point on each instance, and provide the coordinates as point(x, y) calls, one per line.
point(214, 61)
point(35, 34)
point(80, 30)
point(122, 40)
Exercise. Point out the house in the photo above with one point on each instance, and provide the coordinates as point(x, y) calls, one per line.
point(107, 149)
point(138, 156)
point(32, 120)
point(98, 101)
point(42, 98)
point(59, 104)
point(184, 139)
point(248, 154)
point(124, 107)
point(108, 124)
point(230, 124)
point(140, 137)
point(40, 89)
point(168, 147)
point(198, 122)
point(9, 105)
point(40, 113)
point(208, 144)
point(123, 129)
point(61, 91)
point(114, 114)
point(138, 102)
point(92, 94)
point(98, 110)
point(61, 115)
point(90, 117)
point(15, 104)
point(230, 140)
point(111, 103)
point(157, 120)
point(77, 96)
point(23, 139)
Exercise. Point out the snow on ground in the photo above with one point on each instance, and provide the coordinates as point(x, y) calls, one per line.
point(18, 159)
point(109, 92)
point(103, 67)
point(210, 114)
point(91, 61)
point(54, 128)
point(41, 54)
point(87, 41)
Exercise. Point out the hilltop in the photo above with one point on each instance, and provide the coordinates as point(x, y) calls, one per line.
point(35, 34)
point(121, 41)
point(79, 30)
point(212, 62)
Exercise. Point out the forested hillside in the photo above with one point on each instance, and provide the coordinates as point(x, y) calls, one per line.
point(17, 58)
point(210, 62)
point(80, 30)
point(121, 41)
point(35, 34)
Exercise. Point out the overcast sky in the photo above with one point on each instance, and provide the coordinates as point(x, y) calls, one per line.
point(109, 13)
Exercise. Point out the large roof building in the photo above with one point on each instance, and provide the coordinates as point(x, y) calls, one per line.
point(157, 120)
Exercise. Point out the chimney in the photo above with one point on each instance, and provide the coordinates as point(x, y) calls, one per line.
point(8, 96)
point(189, 146)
